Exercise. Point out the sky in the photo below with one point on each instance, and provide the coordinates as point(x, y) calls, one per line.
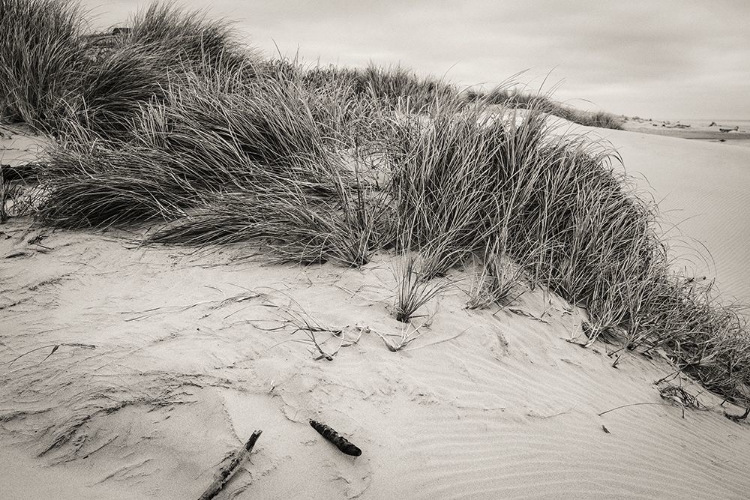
point(660, 59)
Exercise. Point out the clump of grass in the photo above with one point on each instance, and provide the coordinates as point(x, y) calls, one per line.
point(414, 289)
point(232, 161)
point(40, 56)
point(112, 92)
point(107, 86)
point(497, 281)
point(101, 185)
point(439, 167)
point(392, 88)
point(188, 39)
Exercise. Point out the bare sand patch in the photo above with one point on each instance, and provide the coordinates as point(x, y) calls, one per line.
point(703, 189)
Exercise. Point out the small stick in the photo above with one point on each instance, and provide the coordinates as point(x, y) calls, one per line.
point(226, 473)
point(337, 439)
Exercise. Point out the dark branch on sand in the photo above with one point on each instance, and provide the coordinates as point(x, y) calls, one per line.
point(226, 473)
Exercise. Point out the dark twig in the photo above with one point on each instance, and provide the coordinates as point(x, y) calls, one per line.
point(337, 439)
point(226, 473)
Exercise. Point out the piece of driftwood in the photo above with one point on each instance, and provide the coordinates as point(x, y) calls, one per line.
point(226, 473)
point(737, 418)
point(337, 439)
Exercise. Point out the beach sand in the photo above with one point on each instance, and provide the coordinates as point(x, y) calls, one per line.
point(132, 372)
point(703, 191)
point(701, 130)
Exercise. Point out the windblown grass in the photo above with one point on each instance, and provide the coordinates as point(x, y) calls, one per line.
point(526, 100)
point(334, 164)
point(414, 289)
point(392, 88)
point(187, 38)
point(40, 55)
point(112, 91)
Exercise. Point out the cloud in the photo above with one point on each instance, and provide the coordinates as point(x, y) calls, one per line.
point(637, 57)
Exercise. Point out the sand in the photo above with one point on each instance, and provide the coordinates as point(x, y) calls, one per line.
point(168, 359)
point(701, 130)
point(703, 191)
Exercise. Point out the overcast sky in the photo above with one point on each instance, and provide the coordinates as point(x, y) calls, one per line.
point(652, 58)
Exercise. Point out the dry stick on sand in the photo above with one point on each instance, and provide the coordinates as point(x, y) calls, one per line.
point(226, 473)
point(337, 439)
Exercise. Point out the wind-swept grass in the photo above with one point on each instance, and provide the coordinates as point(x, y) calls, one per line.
point(112, 92)
point(165, 42)
point(497, 281)
point(40, 55)
point(526, 100)
point(188, 38)
point(334, 164)
point(413, 289)
point(233, 163)
point(98, 185)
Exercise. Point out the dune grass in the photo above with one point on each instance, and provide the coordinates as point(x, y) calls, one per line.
point(529, 100)
point(331, 164)
point(187, 37)
point(40, 56)
point(414, 289)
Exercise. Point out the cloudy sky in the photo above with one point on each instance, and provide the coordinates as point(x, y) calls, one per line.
point(663, 59)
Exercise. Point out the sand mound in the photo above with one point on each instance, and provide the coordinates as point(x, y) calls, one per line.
point(168, 359)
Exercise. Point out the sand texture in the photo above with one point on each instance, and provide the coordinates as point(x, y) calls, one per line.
point(135, 372)
point(703, 192)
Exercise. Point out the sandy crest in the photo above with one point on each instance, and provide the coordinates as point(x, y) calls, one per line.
point(168, 359)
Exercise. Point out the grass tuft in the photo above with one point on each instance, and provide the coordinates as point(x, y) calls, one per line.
point(40, 57)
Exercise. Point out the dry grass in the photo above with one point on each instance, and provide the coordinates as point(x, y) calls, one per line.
point(40, 57)
point(528, 100)
point(414, 289)
point(223, 148)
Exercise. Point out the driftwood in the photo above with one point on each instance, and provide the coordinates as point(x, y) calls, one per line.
point(737, 418)
point(226, 473)
point(337, 439)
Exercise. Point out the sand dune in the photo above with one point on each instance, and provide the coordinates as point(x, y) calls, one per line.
point(168, 359)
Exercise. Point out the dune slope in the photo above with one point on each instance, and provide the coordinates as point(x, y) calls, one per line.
point(168, 359)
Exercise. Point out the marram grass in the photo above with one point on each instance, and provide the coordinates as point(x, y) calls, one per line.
point(178, 127)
